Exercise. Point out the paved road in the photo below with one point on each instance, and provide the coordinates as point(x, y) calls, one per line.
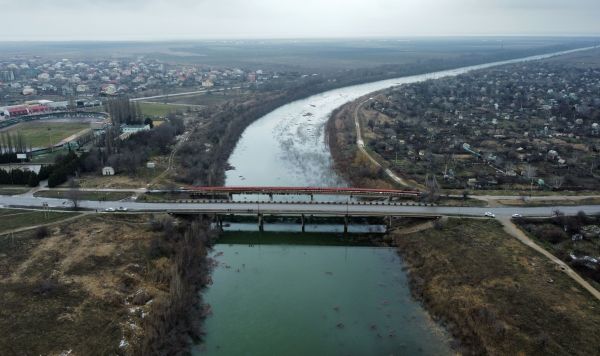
point(203, 91)
point(298, 208)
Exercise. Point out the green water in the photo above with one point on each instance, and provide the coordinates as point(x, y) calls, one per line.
point(314, 300)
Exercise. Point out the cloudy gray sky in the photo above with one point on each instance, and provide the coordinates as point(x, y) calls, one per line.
point(200, 19)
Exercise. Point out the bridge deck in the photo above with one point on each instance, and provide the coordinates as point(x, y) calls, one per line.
point(305, 190)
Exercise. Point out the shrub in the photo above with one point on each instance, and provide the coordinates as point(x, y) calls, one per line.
point(552, 234)
point(45, 287)
point(42, 232)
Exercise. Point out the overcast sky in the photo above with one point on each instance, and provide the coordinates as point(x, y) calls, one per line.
point(201, 19)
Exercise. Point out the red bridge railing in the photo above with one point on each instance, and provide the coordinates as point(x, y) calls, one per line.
point(303, 190)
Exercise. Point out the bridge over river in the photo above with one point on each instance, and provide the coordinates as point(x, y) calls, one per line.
point(310, 191)
point(318, 207)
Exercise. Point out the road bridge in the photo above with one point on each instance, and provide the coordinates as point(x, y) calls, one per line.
point(310, 191)
point(332, 208)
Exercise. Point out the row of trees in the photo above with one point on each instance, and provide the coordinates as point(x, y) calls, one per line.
point(19, 177)
point(56, 174)
point(124, 111)
point(174, 321)
point(12, 144)
point(8, 158)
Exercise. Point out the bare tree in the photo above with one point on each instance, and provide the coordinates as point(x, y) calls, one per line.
point(433, 187)
point(530, 173)
point(509, 166)
point(74, 194)
point(557, 181)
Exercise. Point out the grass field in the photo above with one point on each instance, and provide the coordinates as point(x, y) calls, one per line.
point(208, 99)
point(155, 110)
point(98, 196)
point(46, 133)
point(11, 219)
point(530, 203)
point(13, 190)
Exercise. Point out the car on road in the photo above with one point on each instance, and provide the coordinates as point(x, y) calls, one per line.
point(109, 210)
point(489, 214)
point(517, 215)
point(122, 209)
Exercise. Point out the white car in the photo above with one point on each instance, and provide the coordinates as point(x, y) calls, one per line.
point(122, 209)
point(517, 215)
point(489, 214)
point(109, 210)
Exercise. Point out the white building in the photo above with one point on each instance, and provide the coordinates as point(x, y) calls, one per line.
point(108, 171)
point(131, 129)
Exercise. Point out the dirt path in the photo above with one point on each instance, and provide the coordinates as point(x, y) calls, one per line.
point(15, 231)
point(361, 147)
point(180, 143)
point(513, 230)
point(73, 137)
point(421, 227)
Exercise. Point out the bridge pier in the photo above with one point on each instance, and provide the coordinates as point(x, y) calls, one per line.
point(261, 224)
point(389, 222)
point(271, 196)
point(345, 224)
point(218, 221)
point(303, 223)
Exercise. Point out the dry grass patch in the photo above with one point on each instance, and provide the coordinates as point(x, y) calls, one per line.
point(497, 296)
point(77, 288)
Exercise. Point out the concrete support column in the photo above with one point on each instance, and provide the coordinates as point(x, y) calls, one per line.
point(303, 223)
point(346, 224)
point(261, 225)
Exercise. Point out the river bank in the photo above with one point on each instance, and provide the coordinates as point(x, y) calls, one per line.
point(110, 284)
point(495, 295)
point(204, 157)
point(348, 161)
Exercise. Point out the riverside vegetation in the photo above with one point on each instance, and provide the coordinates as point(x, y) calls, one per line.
point(126, 285)
point(497, 296)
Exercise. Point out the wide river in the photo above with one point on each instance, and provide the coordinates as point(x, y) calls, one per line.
point(280, 299)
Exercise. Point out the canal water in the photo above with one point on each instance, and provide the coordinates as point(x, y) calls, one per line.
point(314, 300)
point(286, 299)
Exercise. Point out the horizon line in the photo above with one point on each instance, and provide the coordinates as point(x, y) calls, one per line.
point(307, 38)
